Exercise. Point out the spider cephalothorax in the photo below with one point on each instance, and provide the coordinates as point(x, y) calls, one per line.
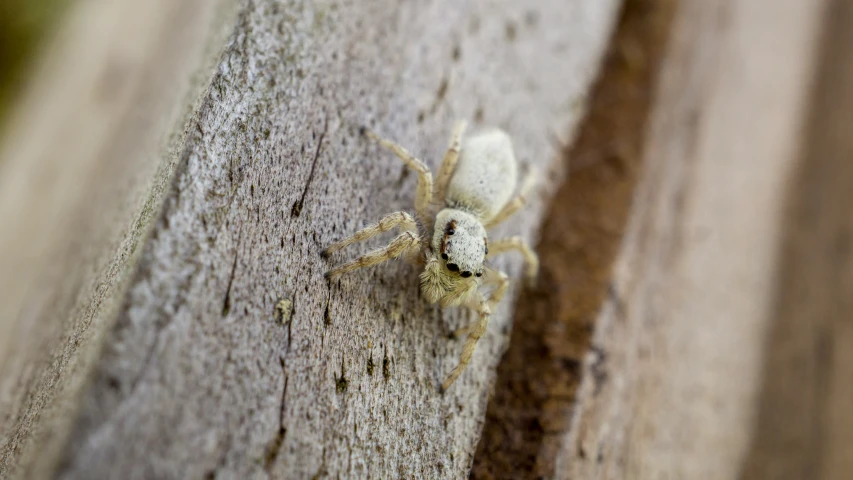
point(475, 184)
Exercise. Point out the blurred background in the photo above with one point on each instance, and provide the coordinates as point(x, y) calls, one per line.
point(25, 28)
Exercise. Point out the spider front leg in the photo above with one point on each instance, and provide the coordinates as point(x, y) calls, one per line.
point(406, 243)
point(424, 193)
point(388, 222)
point(448, 164)
point(483, 306)
point(475, 332)
point(501, 282)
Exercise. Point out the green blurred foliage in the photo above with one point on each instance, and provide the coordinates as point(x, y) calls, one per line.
point(24, 24)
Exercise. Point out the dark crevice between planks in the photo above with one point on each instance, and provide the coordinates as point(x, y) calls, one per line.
point(804, 424)
point(539, 375)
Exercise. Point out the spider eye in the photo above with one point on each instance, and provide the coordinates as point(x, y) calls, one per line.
point(444, 256)
point(479, 274)
point(466, 274)
point(453, 267)
point(450, 228)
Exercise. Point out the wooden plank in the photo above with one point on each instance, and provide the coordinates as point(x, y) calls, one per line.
point(671, 383)
point(86, 157)
point(199, 377)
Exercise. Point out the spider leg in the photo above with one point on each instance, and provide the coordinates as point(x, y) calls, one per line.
point(483, 306)
point(475, 332)
point(405, 243)
point(492, 277)
point(423, 197)
point(448, 164)
point(516, 203)
point(388, 222)
point(531, 260)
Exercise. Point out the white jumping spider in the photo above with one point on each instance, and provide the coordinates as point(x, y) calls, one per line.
point(474, 192)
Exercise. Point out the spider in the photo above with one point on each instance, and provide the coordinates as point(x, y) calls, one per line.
point(473, 192)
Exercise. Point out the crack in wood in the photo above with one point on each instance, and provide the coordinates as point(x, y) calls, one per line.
point(297, 207)
point(274, 446)
point(226, 304)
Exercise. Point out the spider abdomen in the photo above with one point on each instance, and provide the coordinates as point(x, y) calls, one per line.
point(485, 176)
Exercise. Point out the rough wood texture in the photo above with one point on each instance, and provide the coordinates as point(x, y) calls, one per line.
point(83, 166)
point(583, 229)
point(199, 375)
point(671, 384)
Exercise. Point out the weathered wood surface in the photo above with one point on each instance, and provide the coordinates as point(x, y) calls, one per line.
point(84, 163)
point(199, 376)
point(672, 383)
